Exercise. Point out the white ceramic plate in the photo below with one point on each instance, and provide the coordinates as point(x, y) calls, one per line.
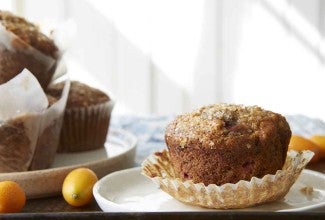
point(129, 191)
point(118, 154)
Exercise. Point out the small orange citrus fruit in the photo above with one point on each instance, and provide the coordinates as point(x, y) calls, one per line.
point(12, 197)
point(320, 141)
point(300, 143)
point(77, 188)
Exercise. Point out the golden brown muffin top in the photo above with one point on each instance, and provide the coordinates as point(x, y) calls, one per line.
point(28, 32)
point(80, 95)
point(216, 125)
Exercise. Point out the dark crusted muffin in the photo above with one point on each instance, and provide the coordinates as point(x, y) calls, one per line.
point(27, 48)
point(86, 119)
point(225, 143)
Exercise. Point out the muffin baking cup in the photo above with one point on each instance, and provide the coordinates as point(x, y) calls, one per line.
point(29, 129)
point(242, 194)
point(15, 55)
point(49, 132)
point(85, 128)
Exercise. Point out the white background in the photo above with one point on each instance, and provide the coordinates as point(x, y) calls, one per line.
point(171, 56)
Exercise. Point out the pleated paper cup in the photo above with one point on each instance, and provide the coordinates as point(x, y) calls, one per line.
point(85, 128)
point(242, 194)
point(29, 129)
point(49, 132)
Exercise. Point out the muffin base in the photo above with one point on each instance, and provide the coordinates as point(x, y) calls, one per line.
point(242, 194)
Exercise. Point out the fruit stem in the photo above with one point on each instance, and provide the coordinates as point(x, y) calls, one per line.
point(75, 196)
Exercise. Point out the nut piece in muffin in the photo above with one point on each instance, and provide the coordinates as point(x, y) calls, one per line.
point(86, 118)
point(225, 143)
point(28, 48)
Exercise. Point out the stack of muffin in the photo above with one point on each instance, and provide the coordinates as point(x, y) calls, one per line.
point(82, 126)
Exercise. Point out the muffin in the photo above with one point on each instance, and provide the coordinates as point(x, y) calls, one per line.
point(48, 140)
point(86, 117)
point(226, 143)
point(22, 45)
point(227, 156)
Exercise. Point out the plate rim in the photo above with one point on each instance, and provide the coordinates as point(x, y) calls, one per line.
point(119, 208)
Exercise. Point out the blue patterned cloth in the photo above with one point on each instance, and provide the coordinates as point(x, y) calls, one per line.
point(305, 126)
point(150, 130)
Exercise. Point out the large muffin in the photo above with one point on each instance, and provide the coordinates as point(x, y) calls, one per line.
point(25, 47)
point(225, 143)
point(86, 118)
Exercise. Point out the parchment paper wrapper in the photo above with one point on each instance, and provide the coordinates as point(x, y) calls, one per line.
point(243, 194)
point(85, 128)
point(15, 55)
point(50, 129)
point(24, 120)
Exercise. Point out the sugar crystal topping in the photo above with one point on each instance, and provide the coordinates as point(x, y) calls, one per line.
point(220, 120)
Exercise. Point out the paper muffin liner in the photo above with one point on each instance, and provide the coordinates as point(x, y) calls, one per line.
point(242, 194)
point(49, 132)
point(85, 128)
point(24, 121)
point(15, 55)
